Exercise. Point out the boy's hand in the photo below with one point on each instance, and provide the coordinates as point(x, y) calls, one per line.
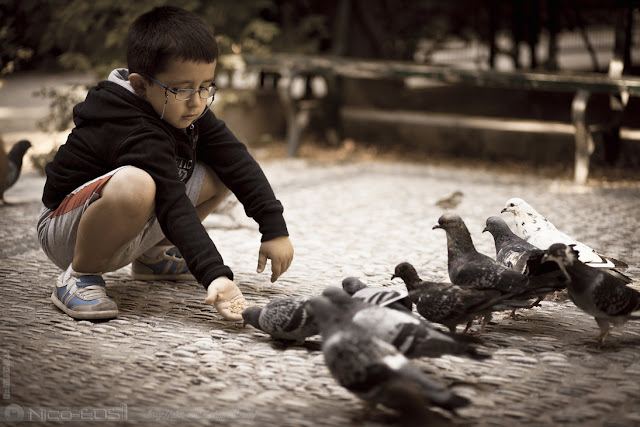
point(226, 298)
point(280, 252)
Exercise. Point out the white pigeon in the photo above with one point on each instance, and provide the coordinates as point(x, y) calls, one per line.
point(540, 232)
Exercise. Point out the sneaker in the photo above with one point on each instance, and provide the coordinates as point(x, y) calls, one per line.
point(83, 297)
point(169, 266)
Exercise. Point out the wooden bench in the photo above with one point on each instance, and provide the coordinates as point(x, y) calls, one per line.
point(298, 79)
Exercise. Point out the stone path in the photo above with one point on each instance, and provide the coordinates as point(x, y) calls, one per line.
point(170, 358)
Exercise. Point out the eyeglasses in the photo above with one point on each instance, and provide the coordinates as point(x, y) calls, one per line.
point(186, 94)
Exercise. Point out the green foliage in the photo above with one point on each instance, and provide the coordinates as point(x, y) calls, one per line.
point(62, 102)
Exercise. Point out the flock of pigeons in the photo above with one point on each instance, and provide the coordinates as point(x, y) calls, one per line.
point(370, 333)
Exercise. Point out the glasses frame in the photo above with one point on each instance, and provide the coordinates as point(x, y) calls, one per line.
point(193, 91)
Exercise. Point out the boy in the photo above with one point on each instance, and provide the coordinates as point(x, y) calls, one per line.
point(145, 163)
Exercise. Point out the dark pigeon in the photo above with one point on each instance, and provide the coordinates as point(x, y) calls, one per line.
point(451, 305)
point(410, 334)
point(469, 268)
point(373, 369)
point(14, 165)
point(285, 319)
point(381, 296)
point(597, 293)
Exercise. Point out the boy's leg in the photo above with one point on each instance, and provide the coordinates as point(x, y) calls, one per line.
point(124, 208)
point(163, 261)
point(85, 233)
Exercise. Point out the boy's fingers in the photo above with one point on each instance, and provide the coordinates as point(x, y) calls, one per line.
point(275, 271)
point(229, 315)
point(262, 262)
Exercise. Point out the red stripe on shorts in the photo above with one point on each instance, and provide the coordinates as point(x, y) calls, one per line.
point(79, 197)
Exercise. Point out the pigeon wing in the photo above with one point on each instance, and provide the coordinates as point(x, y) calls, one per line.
point(614, 298)
point(382, 297)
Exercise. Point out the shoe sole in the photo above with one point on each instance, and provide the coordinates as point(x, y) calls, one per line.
point(84, 315)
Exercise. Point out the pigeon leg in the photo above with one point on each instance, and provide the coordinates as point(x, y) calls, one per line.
point(534, 304)
point(469, 323)
point(605, 330)
point(485, 321)
point(513, 315)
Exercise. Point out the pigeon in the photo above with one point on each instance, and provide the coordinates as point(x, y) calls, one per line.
point(594, 291)
point(520, 255)
point(516, 253)
point(540, 232)
point(411, 335)
point(285, 319)
point(373, 369)
point(450, 202)
point(469, 268)
point(451, 305)
point(381, 296)
point(14, 166)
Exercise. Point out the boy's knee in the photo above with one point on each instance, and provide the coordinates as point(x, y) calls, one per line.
point(132, 186)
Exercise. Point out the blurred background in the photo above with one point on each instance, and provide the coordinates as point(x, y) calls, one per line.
point(52, 51)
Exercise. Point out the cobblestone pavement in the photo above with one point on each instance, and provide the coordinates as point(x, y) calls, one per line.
point(169, 357)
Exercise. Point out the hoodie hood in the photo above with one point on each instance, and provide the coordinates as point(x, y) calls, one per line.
point(114, 99)
point(120, 76)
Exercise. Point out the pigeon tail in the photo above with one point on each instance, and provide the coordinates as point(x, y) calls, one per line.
point(620, 276)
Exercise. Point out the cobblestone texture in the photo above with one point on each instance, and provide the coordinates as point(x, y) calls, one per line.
point(171, 358)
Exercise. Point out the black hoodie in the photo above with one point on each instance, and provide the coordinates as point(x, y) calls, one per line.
point(115, 127)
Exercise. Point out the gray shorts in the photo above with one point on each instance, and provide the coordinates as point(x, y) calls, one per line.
point(57, 229)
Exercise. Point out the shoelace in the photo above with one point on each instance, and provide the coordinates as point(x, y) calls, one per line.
point(87, 292)
point(92, 292)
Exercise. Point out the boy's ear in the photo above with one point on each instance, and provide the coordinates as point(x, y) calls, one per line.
point(138, 83)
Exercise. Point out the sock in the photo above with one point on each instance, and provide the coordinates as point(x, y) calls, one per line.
point(71, 272)
point(154, 253)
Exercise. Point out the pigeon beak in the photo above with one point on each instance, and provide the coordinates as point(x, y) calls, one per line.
point(503, 210)
point(436, 226)
point(393, 277)
point(485, 229)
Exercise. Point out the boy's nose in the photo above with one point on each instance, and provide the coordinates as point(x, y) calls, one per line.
point(195, 100)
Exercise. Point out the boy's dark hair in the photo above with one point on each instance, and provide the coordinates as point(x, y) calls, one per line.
point(167, 33)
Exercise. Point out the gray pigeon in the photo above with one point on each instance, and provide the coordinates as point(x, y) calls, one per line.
point(408, 333)
point(514, 252)
point(594, 291)
point(373, 369)
point(451, 305)
point(450, 202)
point(14, 165)
point(381, 296)
point(469, 268)
point(284, 319)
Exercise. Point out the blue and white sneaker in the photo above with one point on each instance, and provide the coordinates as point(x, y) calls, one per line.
point(83, 297)
point(169, 266)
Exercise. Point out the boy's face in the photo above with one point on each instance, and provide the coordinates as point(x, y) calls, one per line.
point(181, 75)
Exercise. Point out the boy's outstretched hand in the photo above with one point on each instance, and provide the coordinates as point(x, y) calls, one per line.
point(226, 298)
point(280, 252)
